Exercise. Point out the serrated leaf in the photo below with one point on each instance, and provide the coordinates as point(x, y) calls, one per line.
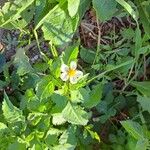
point(95, 96)
point(44, 88)
point(21, 13)
point(11, 113)
point(58, 26)
point(142, 87)
point(105, 9)
point(75, 114)
point(133, 128)
point(73, 6)
point(21, 62)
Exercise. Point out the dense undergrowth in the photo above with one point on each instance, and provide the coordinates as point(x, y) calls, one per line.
point(90, 89)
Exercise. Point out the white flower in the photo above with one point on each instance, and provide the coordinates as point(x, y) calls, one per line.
point(70, 73)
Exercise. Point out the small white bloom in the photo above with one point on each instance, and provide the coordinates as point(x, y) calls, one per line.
point(70, 73)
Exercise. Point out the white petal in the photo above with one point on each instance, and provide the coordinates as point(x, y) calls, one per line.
point(73, 80)
point(73, 65)
point(64, 76)
point(64, 68)
point(79, 74)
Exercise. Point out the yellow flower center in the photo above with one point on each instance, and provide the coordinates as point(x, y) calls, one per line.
point(71, 72)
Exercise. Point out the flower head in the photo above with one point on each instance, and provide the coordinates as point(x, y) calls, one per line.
point(70, 72)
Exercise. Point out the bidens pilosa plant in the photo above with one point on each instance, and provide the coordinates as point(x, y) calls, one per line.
point(89, 89)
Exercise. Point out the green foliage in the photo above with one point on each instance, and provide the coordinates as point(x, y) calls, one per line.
point(103, 6)
point(108, 108)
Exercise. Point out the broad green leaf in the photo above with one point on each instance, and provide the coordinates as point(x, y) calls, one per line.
point(105, 9)
point(80, 95)
point(58, 119)
point(58, 26)
point(95, 96)
point(87, 55)
point(142, 87)
point(60, 103)
point(21, 62)
point(144, 102)
point(142, 144)
point(70, 54)
point(69, 136)
point(133, 128)
point(33, 103)
point(11, 113)
point(75, 114)
point(73, 6)
point(45, 88)
point(52, 136)
point(21, 13)
point(84, 5)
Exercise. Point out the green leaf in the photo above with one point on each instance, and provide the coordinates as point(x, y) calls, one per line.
point(144, 16)
point(64, 147)
point(105, 9)
point(5, 136)
point(142, 87)
point(58, 27)
point(75, 114)
point(45, 88)
point(87, 55)
point(138, 41)
point(17, 14)
point(130, 10)
point(58, 119)
point(10, 112)
point(52, 136)
point(73, 6)
point(33, 103)
point(133, 128)
point(21, 62)
point(80, 95)
point(60, 103)
point(69, 136)
point(144, 102)
point(13, 115)
point(71, 53)
point(16, 145)
point(34, 118)
point(142, 144)
point(95, 96)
